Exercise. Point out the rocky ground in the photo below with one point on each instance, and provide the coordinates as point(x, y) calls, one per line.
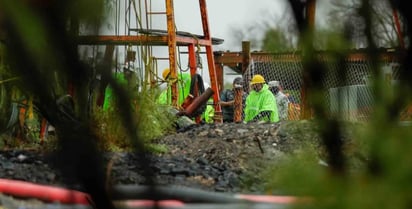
point(217, 157)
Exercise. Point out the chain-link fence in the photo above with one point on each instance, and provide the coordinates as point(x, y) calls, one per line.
point(347, 95)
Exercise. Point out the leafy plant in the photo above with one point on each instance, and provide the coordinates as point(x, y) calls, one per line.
point(154, 121)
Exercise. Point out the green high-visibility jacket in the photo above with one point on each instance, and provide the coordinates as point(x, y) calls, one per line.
point(208, 115)
point(257, 102)
point(183, 85)
point(108, 94)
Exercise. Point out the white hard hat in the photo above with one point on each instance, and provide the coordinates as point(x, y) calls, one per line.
point(273, 83)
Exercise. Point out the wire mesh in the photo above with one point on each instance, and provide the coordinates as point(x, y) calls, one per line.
point(349, 97)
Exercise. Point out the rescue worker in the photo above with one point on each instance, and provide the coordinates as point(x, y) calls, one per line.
point(260, 103)
point(183, 85)
point(282, 101)
point(209, 113)
point(227, 100)
point(109, 97)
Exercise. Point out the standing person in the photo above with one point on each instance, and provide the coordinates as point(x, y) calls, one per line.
point(209, 114)
point(227, 100)
point(282, 100)
point(260, 103)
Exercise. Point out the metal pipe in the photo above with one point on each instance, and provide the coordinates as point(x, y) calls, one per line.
point(198, 101)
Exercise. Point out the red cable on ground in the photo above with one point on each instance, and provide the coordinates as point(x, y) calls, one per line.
point(46, 193)
point(150, 204)
point(24, 189)
point(268, 198)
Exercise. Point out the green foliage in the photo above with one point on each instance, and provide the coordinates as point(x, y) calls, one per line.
point(276, 41)
point(376, 155)
point(32, 126)
point(365, 185)
point(157, 148)
point(151, 116)
point(284, 175)
point(329, 39)
point(153, 121)
point(375, 169)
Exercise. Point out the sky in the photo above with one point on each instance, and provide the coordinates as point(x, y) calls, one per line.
point(223, 16)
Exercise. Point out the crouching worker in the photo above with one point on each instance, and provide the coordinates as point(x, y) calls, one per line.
point(183, 85)
point(260, 103)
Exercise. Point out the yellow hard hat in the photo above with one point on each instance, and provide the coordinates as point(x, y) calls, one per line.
point(257, 79)
point(165, 73)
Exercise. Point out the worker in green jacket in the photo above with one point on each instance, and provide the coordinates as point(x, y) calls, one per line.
point(183, 85)
point(109, 97)
point(208, 115)
point(260, 103)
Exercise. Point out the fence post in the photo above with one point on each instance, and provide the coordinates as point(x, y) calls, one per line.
point(245, 55)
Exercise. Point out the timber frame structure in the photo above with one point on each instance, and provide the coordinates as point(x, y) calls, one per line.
point(170, 38)
point(239, 61)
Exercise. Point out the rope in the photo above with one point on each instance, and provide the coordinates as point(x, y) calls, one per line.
point(178, 55)
point(198, 58)
point(145, 51)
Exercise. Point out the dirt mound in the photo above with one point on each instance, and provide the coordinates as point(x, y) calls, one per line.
point(244, 149)
point(216, 157)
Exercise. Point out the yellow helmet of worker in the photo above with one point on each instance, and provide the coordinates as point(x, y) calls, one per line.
point(257, 79)
point(165, 73)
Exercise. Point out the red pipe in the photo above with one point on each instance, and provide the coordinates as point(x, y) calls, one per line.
point(149, 204)
point(43, 192)
point(198, 101)
point(268, 198)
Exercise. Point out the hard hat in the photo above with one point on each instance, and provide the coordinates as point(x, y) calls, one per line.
point(238, 80)
point(257, 79)
point(165, 73)
point(273, 84)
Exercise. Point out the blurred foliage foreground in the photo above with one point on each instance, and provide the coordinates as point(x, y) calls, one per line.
point(43, 55)
point(380, 149)
point(41, 64)
point(375, 167)
point(22, 123)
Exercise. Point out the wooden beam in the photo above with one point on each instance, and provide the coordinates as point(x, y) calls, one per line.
point(245, 55)
point(140, 40)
